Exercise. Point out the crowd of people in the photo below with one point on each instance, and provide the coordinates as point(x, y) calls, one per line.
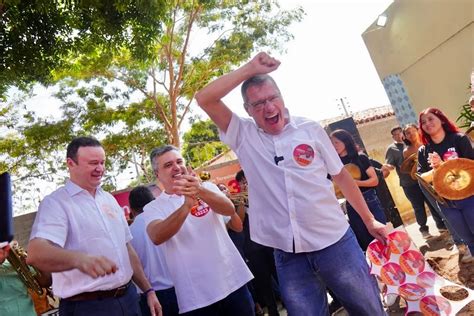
point(191, 250)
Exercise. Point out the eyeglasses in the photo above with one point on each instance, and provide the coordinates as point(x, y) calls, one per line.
point(258, 105)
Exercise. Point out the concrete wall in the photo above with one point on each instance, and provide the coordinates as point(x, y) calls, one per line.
point(429, 43)
point(22, 225)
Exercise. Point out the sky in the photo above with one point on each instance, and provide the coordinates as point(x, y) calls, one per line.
point(327, 60)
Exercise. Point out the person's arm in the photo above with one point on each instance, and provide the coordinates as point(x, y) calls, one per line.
point(49, 257)
point(210, 97)
point(140, 279)
point(354, 197)
point(372, 181)
point(235, 223)
point(160, 231)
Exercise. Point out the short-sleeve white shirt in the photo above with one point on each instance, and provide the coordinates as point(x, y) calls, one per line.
point(292, 200)
point(73, 219)
point(151, 256)
point(204, 264)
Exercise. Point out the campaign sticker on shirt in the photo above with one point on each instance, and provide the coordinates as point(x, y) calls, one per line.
point(107, 209)
point(200, 209)
point(303, 154)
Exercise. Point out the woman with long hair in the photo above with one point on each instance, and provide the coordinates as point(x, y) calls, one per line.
point(443, 141)
point(347, 151)
point(413, 142)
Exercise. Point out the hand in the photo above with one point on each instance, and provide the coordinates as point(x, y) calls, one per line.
point(263, 63)
point(434, 160)
point(4, 253)
point(187, 185)
point(154, 304)
point(95, 266)
point(378, 230)
point(386, 170)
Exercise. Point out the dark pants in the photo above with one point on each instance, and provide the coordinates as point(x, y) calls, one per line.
point(237, 303)
point(168, 301)
point(460, 214)
point(418, 200)
point(457, 239)
point(262, 265)
point(362, 234)
point(126, 305)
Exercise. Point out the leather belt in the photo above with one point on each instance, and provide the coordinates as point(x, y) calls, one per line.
point(97, 295)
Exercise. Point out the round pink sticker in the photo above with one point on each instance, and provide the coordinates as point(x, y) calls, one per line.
point(378, 253)
point(392, 274)
point(412, 262)
point(303, 154)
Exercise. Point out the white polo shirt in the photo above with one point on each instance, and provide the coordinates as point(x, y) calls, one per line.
point(293, 200)
point(151, 256)
point(74, 220)
point(203, 262)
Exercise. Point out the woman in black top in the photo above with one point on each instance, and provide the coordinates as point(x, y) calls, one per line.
point(443, 141)
point(347, 151)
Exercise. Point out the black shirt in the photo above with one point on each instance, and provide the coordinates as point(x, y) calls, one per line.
point(452, 144)
point(362, 161)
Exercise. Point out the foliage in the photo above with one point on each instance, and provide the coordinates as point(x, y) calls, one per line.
point(127, 131)
point(234, 29)
point(201, 143)
point(133, 104)
point(39, 36)
point(466, 116)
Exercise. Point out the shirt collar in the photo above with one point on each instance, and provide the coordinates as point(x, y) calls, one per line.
point(74, 189)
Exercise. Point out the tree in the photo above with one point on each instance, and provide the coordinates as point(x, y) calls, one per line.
point(201, 143)
point(235, 29)
point(134, 104)
point(40, 36)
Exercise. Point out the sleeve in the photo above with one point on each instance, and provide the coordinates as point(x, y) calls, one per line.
point(364, 162)
point(390, 157)
point(234, 135)
point(465, 148)
point(152, 212)
point(51, 222)
point(331, 159)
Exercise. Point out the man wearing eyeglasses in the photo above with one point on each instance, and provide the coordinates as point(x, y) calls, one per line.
point(293, 207)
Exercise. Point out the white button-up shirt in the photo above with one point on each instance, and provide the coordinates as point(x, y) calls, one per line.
point(151, 256)
point(73, 219)
point(292, 201)
point(203, 262)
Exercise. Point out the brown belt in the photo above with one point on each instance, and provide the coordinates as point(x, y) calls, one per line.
point(97, 295)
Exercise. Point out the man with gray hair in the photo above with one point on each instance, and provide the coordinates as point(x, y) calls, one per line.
point(207, 271)
point(293, 207)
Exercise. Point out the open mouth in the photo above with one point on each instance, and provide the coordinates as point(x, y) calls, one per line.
point(273, 119)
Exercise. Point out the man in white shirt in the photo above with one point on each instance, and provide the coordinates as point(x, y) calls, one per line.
point(151, 255)
point(80, 235)
point(207, 271)
point(293, 207)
